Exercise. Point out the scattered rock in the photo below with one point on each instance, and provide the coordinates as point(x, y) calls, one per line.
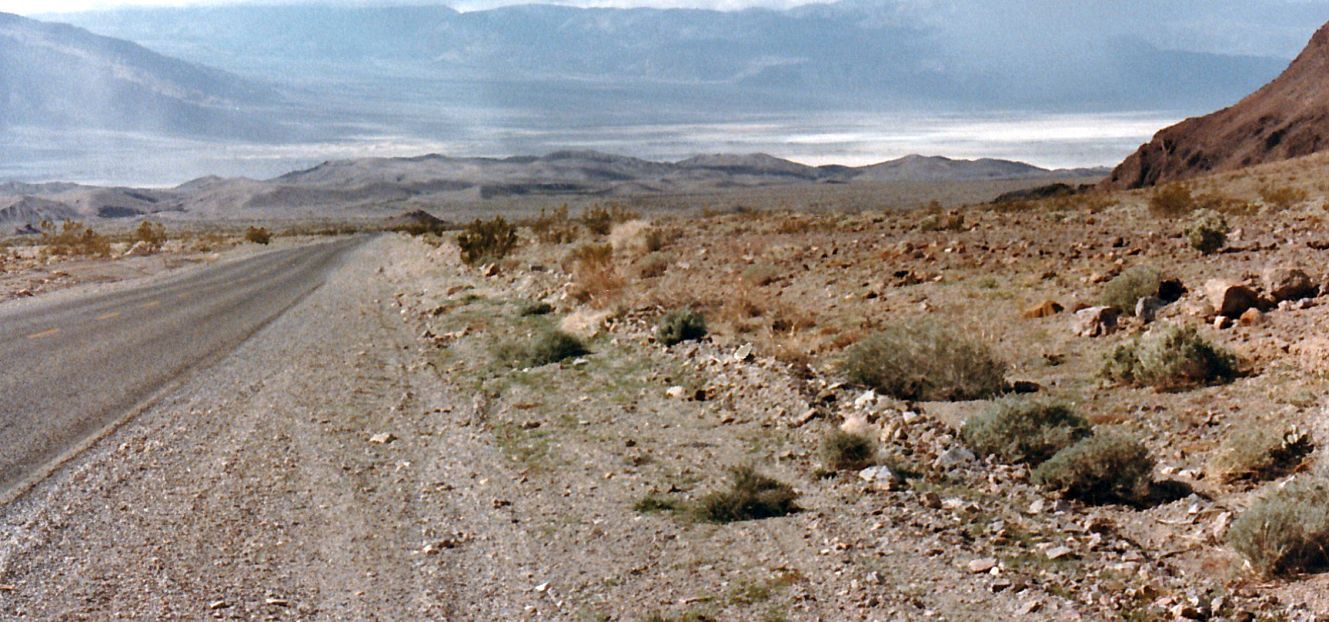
point(140, 249)
point(856, 424)
point(1251, 317)
point(218, 604)
point(744, 353)
point(1171, 290)
point(1058, 552)
point(1222, 322)
point(866, 400)
point(383, 438)
point(881, 477)
point(1147, 308)
point(984, 564)
point(676, 392)
point(1283, 283)
point(1047, 308)
point(953, 457)
point(1096, 321)
point(1229, 298)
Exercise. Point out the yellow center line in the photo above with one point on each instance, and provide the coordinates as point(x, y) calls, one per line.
point(155, 303)
point(108, 316)
point(45, 333)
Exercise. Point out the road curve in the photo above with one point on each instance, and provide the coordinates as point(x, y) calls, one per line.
point(70, 368)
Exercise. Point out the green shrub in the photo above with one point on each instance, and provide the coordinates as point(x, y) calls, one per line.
point(843, 451)
point(1286, 531)
point(1101, 468)
point(1127, 288)
point(1259, 453)
point(1023, 430)
point(1172, 200)
point(750, 496)
point(924, 361)
point(1170, 358)
point(1207, 232)
point(258, 235)
point(548, 347)
point(485, 241)
point(679, 326)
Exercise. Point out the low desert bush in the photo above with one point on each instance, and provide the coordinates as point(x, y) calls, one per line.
point(1170, 358)
point(595, 277)
point(636, 238)
point(924, 361)
point(750, 496)
point(599, 220)
point(1286, 531)
point(538, 307)
point(554, 227)
point(1207, 232)
point(1024, 430)
point(942, 222)
point(1281, 197)
point(1171, 200)
point(1259, 453)
point(485, 241)
point(653, 503)
point(258, 235)
point(680, 325)
point(546, 347)
point(1125, 289)
point(1105, 467)
point(73, 239)
point(653, 265)
point(843, 451)
point(151, 234)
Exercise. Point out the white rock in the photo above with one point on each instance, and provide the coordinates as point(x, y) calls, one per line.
point(982, 565)
point(866, 400)
point(676, 392)
point(382, 438)
point(954, 456)
point(880, 476)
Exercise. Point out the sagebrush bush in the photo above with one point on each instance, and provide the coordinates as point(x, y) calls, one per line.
point(485, 241)
point(680, 325)
point(1105, 467)
point(554, 227)
point(1172, 200)
point(1170, 358)
point(843, 451)
point(546, 347)
point(924, 361)
point(1127, 288)
point(1286, 531)
point(1024, 430)
point(750, 496)
point(151, 234)
point(1207, 232)
point(72, 239)
point(1259, 453)
point(258, 235)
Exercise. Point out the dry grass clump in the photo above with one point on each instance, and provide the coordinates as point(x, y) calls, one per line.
point(844, 451)
point(151, 234)
point(924, 361)
point(595, 277)
point(72, 239)
point(750, 496)
point(1287, 531)
point(1127, 288)
point(258, 235)
point(680, 325)
point(1207, 232)
point(1102, 468)
point(599, 219)
point(485, 241)
point(554, 227)
point(1024, 430)
point(1172, 200)
point(636, 237)
point(546, 347)
point(760, 275)
point(1259, 453)
point(953, 221)
point(1170, 358)
point(653, 265)
point(1281, 197)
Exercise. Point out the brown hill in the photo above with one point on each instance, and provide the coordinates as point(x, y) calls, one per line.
point(1287, 118)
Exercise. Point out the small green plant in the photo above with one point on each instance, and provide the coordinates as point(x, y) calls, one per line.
point(1125, 289)
point(654, 503)
point(151, 234)
point(1168, 359)
point(547, 347)
point(258, 235)
point(924, 361)
point(1207, 232)
point(1259, 453)
point(680, 325)
point(1172, 200)
point(1024, 430)
point(486, 241)
point(844, 451)
point(750, 496)
point(1286, 531)
point(1105, 467)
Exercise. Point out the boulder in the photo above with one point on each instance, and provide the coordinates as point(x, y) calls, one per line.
point(1096, 321)
point(1283, 283)
point(881, 477)
point(1047, 308)
point(1230, 298)
point(1171, 290)
point(1147, 308)
point(1251, 317)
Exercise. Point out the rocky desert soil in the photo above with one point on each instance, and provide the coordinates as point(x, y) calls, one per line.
point(371, 455)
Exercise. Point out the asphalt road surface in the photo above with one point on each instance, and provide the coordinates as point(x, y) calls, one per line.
point(71, 368)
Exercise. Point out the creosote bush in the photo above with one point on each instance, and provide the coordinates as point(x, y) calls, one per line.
point(1170, 358)
point(258, 235)
point(151, 234)
point(1024, 430)
point(1127, 288)
point(1207, 232)
point(1105, 467)
point(599, 220)
point(1171, 200)
point(554, 227)
point(923, 361)
point(72, 239)
point(550, 346)
point(1286, 531)
point(1259, 453)
point(485, 241)
point(750, 496)
point(680, 325)
point(844, 451)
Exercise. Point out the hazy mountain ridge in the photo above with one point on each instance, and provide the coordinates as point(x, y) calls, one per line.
point(363, 186)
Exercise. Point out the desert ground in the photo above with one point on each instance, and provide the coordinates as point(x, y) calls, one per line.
point(415, 441)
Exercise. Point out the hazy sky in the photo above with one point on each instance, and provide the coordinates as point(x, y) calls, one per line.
point(28, 7)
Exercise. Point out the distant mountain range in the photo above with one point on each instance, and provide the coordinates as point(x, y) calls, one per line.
point(368, 186)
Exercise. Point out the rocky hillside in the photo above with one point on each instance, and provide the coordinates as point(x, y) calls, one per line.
point(1287, 118)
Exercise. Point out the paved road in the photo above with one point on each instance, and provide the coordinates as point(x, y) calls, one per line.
point(72, 367)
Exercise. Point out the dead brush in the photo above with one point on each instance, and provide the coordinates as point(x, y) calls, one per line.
point(600, 219)
point(595, 277)
point(72, 239)
point(1281, 197)
point(151, 234)
point(555, 227)
point(1259, 453)
point(750, 496)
